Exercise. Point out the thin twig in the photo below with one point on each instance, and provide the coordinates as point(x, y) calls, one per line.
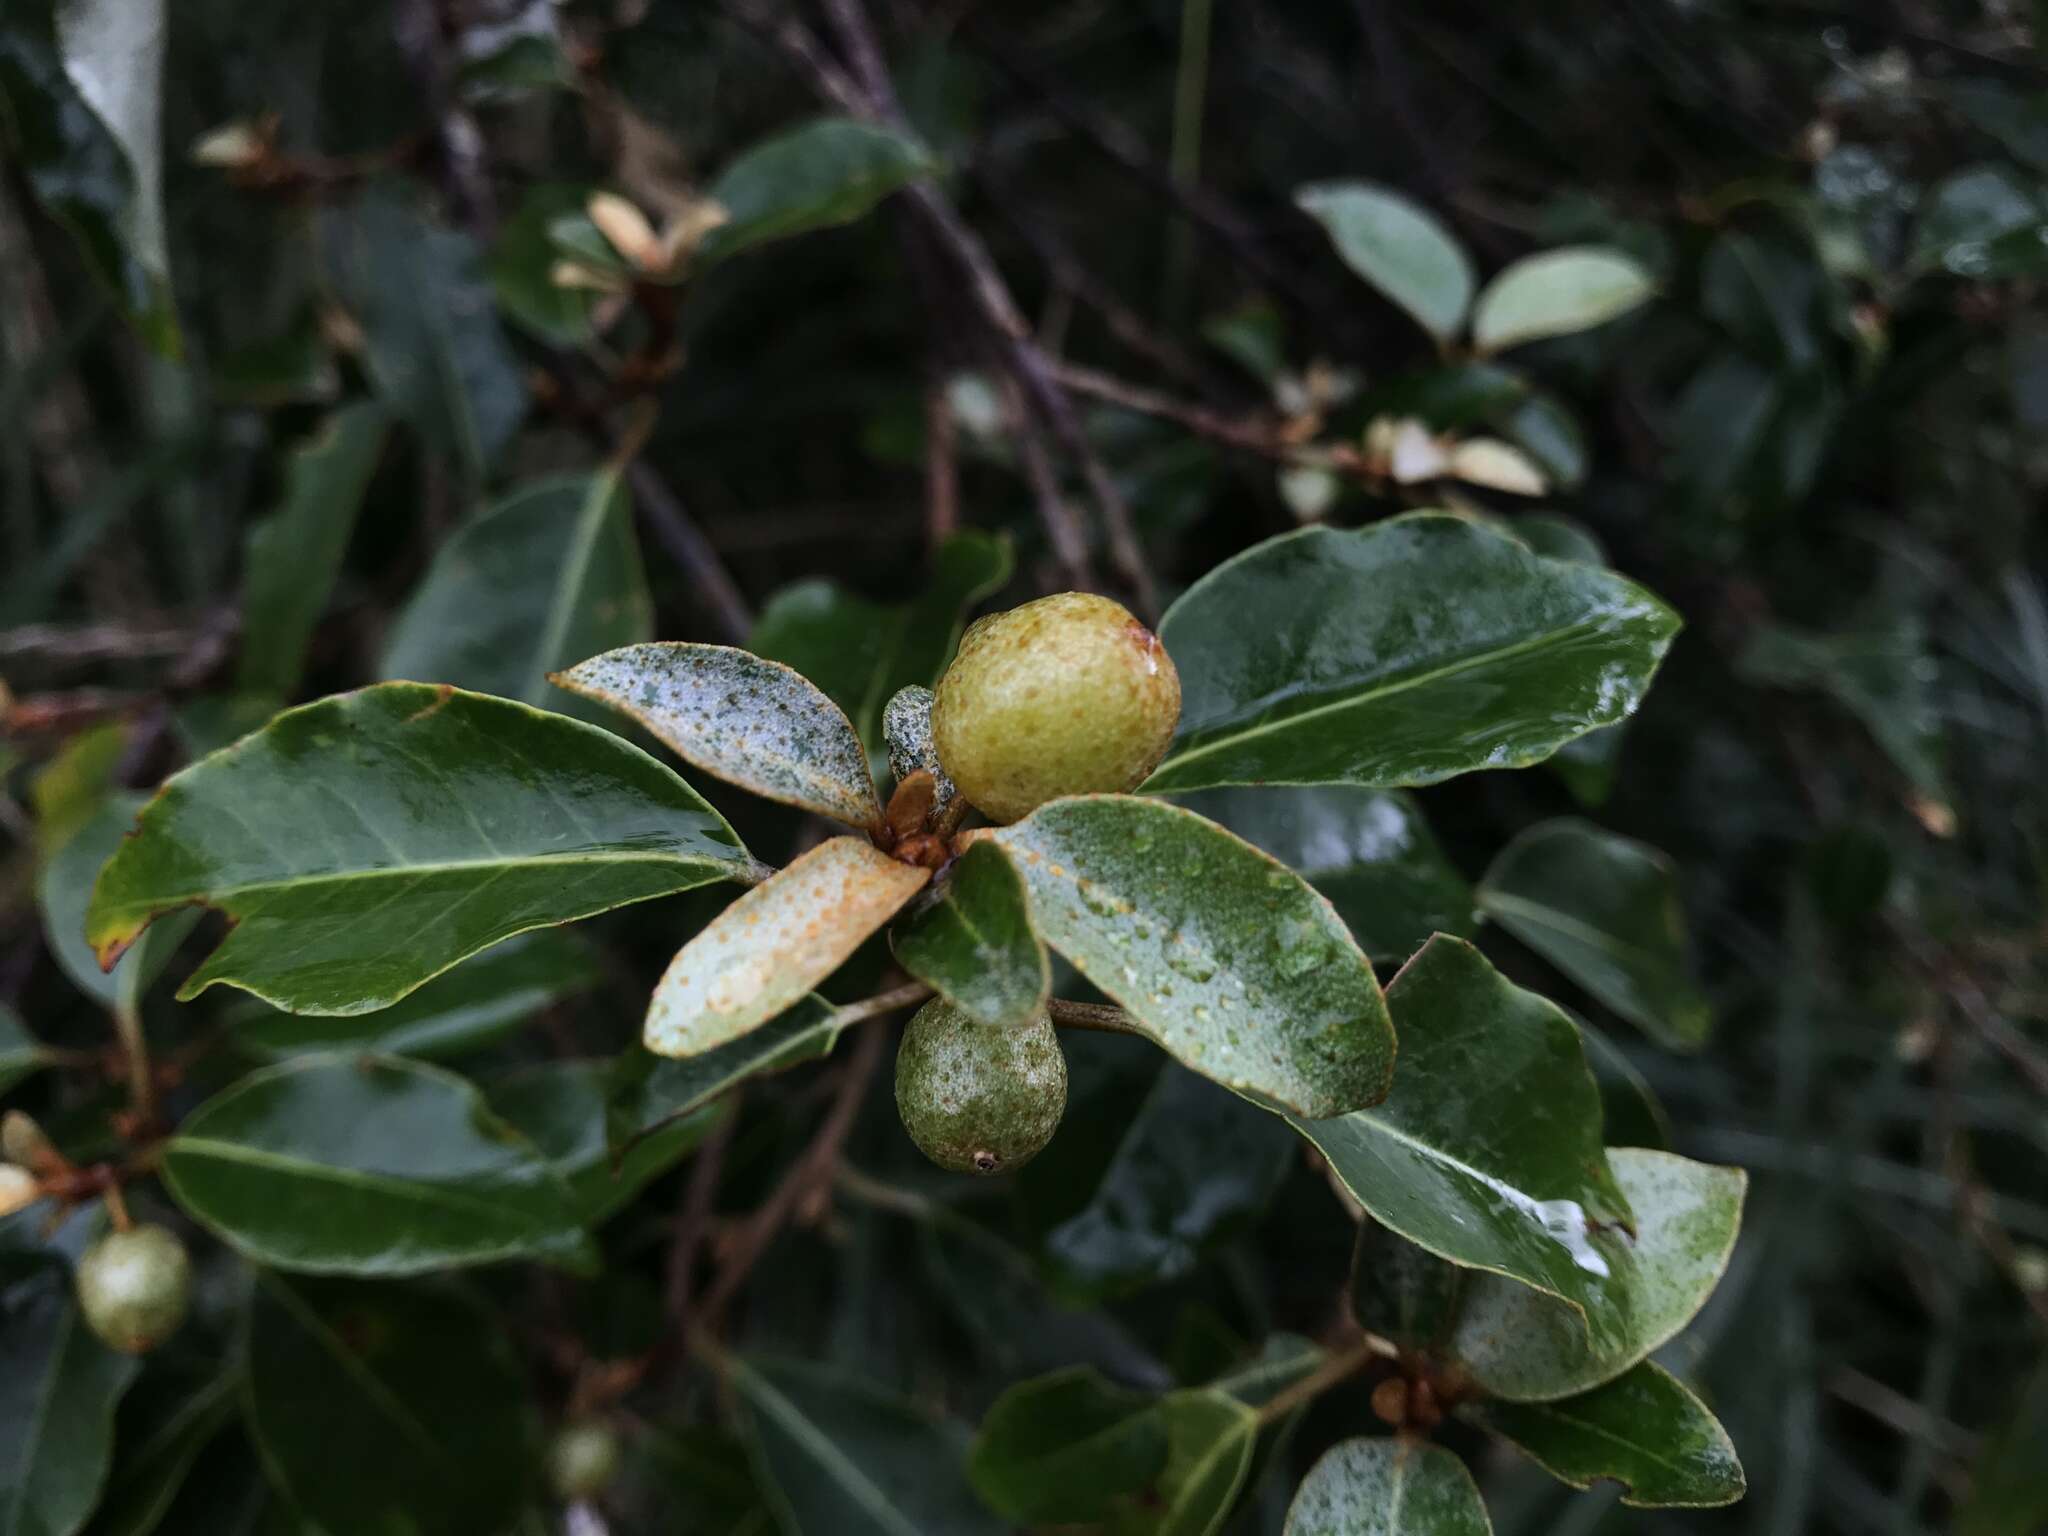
point(693, 1217)
point(941, 464)
point(1340, 1367)
point(685, 544)
point(811, 1173)
point(1253, 436)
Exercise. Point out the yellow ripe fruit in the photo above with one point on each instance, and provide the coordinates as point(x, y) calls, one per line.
point(1068, 695)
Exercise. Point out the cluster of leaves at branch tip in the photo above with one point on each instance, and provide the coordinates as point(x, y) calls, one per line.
point(978, 1099)
point(1068, 695)
point(134, 1287)
point(907, 731)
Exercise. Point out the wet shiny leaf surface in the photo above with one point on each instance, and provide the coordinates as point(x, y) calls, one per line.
point(542, 579)
point(1401, 1291)
point(1341, 656)
point(365, 843)
point(368, 1166)
point(1369, 851)
point(1605, 910)
point(765, 951)
point(827, 172)
point(754, 723)
point(975, 943)
point(1644, 1430)
point(1521, 1344)
point(470, 1007)
point(846, 1460)
point(1196, 1165)
point(347, 1377)
point(1228, 959)
point(1488, 1150)
point(1398, 247)
point(1556, 293)
point(1066, 1447)
point(1387, 1488)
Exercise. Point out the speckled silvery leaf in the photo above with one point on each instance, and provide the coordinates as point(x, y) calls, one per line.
point(769, 948)
point(1644, 1430)
point(1518, 1343)
point(1488, 1150)
point(1226, 957)
point(754, 723)
point(1387, 1487)
point(907, 728)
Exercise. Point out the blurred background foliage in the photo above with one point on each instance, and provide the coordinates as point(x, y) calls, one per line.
point(1825, 442)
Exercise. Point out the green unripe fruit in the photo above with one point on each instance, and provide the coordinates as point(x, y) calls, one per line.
point(1069, 695)
point(134, 1287)
point(583, 1458)
point(976, 1099)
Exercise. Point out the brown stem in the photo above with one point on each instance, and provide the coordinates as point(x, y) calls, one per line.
point(1062, 528)
point(811, 1173)
point(941, 465)
point(693, 1217)
point(1340, 1367)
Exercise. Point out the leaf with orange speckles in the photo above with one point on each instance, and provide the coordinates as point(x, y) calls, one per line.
point(769, 948)
point(754, 723)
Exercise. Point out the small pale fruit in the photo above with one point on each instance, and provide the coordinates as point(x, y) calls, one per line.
point(134, 1287)
point(583, 1458)
point(19, 1189)
point(977, 1099)
point(1068, 695)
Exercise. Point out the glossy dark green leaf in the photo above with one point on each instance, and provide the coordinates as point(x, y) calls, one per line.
point(1590, 765)
point(1368, 850)
point(1387, 1487)
point(1401, 1291)
point(1557, 538)
point(756, 723)
point(1400, 654)
point(386, 1407)
point(1605, 910)
point(1630, 1109)
point(20, 1052)
point(151, 1469)
point(559, 1106)
point(82, 91)
point(521, 267)
point(365, 843)
point(975, 944)
point(824, 173)
point(1967, 213)
point(648, 1091)
point(1401, 249)
point(64, 891)
point(762, 954)
point(1196, 1165)
point(1064, 1448)
point(544, 578)
point(474, 1005)
point(1644, 1430)
point(2009, 1482)
point(1228, 959)
point(290, 559)
point(1488, 1151)
point(59, 1387)
point(1518, 1343)
point(845, 1460)
point(368, 1165)
point(860, 652)
point(1557, 293)
point(430, 329)
point(1209, 1440)
point(1881, 674)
